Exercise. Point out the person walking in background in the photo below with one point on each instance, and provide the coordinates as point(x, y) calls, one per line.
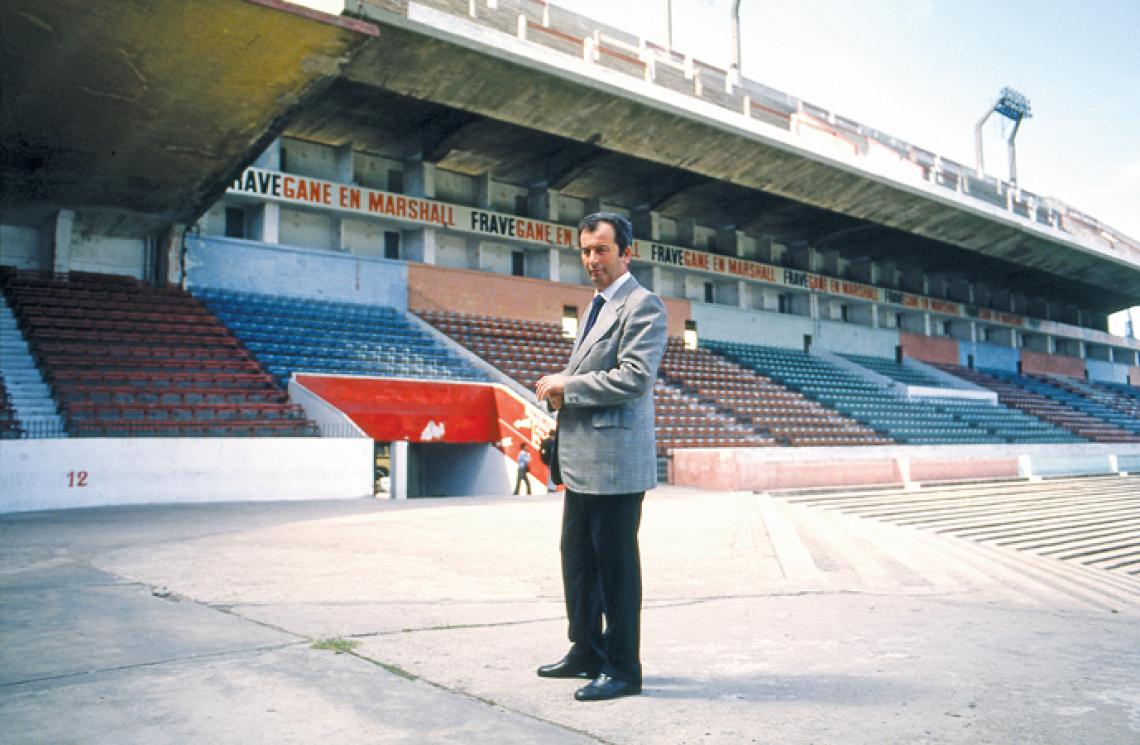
point(607, 456)
point(523, 473)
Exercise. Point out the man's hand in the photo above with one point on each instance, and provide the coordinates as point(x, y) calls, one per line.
point(551, 388)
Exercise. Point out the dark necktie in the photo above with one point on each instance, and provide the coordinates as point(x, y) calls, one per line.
point(595, 309)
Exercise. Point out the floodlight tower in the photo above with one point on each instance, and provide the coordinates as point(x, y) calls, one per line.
point(1013, 106)
point(734, 71)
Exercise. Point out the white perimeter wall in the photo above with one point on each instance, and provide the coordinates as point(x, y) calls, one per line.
point(81, 472)
point(751, 327)
point(1109, 371)
point(19, 247)
point(250, 266)
point(784, 330)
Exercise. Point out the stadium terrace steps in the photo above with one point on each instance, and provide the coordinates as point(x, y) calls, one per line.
point(931, 421)
point(523, 350)
point(1105, 405)
point(896, 371)
point(825, 544)
point(1120, 396)
point(9, 425)
point(684, 421)
point(527, 350)
point(126, 359)
point(288, 334)
point(769, 408)
point(28, 409)
point(1051, 403)
point(1089, 521)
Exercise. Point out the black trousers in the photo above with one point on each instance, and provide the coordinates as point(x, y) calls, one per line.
point(601, 578)
point(520, 481)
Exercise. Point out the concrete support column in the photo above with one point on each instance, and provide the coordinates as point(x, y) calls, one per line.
point(863, 315)
point(55, 241)
point(742, 293)
point(936, 285)
point(686, 232)
point(656, 279)
point(830, 263)
point(962, 330)
point(770, 299)
point(418, 245)
point(959, 291)
point(1001, 300)
point(648, 224)
point(542, 203)
point(915, 281)
point(777, 253)
point(401, 463)
point(730, 242)
point(484, 199)
point(474, 253)
point(886, 274)
point(169, 268)
point(1003, 336)
point(802, 257)
point(980, 294)
point(345, 167)
point(419, 179)
point(267, 223)
point(862, 271)
point(554, 257)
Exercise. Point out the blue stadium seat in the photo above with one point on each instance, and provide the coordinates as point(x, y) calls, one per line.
point(288, 335)
point(920, 422)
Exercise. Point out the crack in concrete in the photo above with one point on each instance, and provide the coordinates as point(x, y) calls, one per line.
point(401, 672)
point(152, 663)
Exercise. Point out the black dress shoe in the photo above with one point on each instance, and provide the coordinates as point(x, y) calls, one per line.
point(569, 667)
point(605, 688)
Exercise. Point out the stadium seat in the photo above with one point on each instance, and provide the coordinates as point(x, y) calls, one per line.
point(123, 358)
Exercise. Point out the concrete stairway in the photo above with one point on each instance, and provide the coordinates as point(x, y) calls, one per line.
point(31, 397)
point(1077, 535)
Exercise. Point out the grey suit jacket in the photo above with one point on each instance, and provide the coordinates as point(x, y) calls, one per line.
point(606, 436)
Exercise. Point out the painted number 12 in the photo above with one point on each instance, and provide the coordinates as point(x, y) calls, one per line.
point(76, 479)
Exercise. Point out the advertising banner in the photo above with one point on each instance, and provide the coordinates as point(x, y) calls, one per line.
point(304, 191)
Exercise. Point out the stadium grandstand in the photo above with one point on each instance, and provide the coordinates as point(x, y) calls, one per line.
point(258, 251)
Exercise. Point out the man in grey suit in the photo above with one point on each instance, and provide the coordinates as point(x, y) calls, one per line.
point(607, 454)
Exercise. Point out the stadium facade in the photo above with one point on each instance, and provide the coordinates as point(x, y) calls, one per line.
point(391, 194)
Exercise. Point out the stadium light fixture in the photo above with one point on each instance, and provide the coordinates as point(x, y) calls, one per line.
point(1013, 106)
point(734, 71)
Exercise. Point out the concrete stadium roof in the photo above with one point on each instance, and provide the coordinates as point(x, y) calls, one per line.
point(142, 111)
point(502, 103)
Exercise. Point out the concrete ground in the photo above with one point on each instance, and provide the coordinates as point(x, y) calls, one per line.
point(766, 620)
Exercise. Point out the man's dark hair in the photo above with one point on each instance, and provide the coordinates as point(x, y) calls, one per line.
point(623, 230)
